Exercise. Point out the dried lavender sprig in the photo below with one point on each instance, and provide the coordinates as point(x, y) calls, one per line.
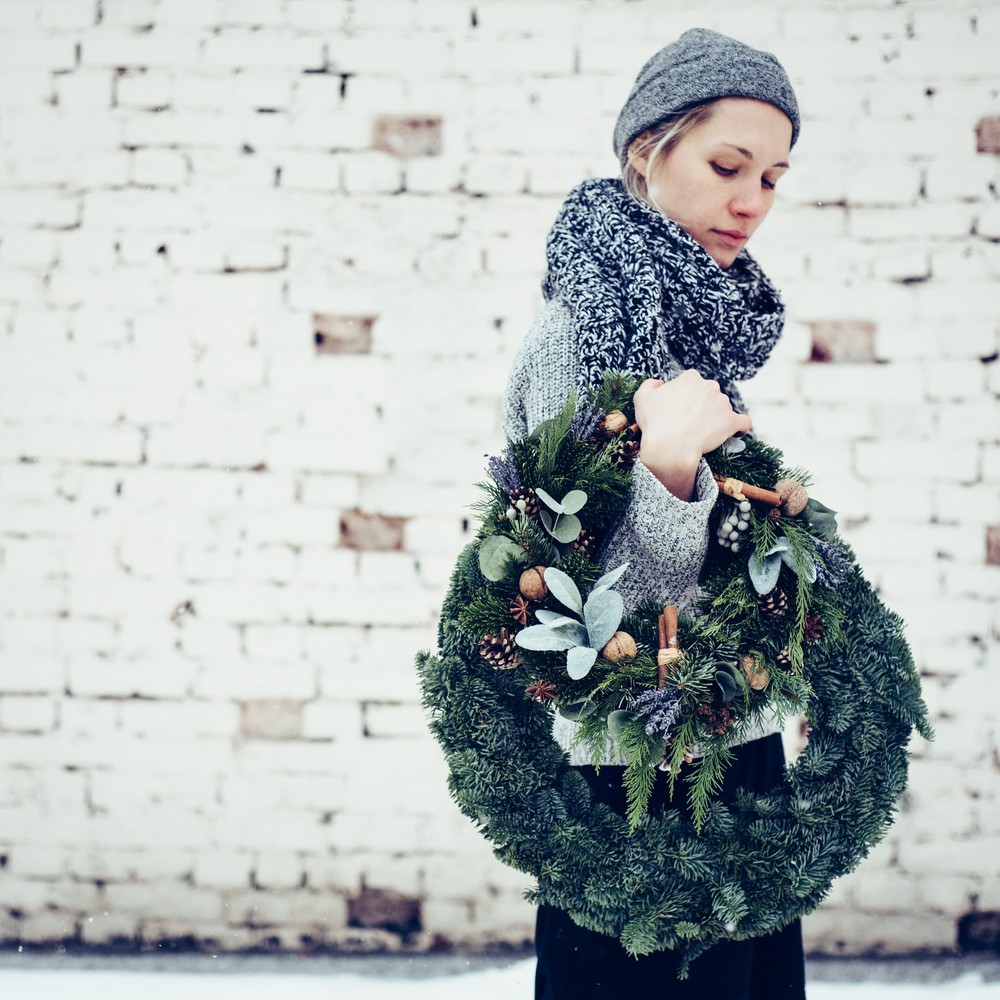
point(505, 473)
point(585, 419)
point(661, 708)
point(835, 564)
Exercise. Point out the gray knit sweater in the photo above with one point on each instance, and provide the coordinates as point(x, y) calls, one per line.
point(662, 538)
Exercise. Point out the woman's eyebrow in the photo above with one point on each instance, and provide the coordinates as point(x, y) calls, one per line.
point(749, 155)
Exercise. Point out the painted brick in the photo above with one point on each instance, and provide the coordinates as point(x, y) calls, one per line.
point(30, 51)
point(26, 714)
point(278, 719)
point(160, 587)
point(278, 871)
point(223, 870)
point(114, 47)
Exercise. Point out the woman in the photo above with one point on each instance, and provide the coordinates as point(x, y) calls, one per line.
point(650, 274)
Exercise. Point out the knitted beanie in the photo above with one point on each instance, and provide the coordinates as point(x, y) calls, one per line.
point(702, 66)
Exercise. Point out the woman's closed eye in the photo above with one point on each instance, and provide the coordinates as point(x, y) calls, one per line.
point(765, 182)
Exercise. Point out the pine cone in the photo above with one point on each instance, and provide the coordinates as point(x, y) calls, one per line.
point(783, 659)
point(527, 494)
point(773, 604)
point(585, 542)
point(626, 449)
point(814, 628)
point(717, 720)
point(499, 651)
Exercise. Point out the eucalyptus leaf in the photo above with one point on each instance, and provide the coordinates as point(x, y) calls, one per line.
point(549, 500)
point(495, 553)
point(573, 501)
point(577, 710)
point(617, 721)
point(609, 579)
point(563, 589)
point(815, 507)
point(781, 544)
point(602, 614)
point(579, 660)
point(821, 519)
point(567, 528)
point(764, 575)
point(543, 638)
point(729, 681)
point(548, 521)
point(808, 567)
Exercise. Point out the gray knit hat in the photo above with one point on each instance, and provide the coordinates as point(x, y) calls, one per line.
point(702, 66)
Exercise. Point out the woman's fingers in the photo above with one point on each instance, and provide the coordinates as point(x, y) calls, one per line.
point(688, 411)
point(744, 423)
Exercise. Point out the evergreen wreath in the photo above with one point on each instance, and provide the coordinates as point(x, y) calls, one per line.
point(786, 622)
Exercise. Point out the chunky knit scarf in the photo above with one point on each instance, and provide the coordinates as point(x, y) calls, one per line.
point(634, 280)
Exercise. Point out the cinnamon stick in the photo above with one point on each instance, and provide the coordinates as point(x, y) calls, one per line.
point(744, 491)
point(668, 651)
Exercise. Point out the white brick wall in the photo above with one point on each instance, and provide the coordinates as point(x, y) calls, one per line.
point(209, 720)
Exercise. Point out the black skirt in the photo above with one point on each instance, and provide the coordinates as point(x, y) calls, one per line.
point(577, 964)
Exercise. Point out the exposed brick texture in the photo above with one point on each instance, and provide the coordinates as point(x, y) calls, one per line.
point(385, 909)
point(372, 532)
point(408, 135)
point(842, 341)
point(988, 135)
point(993, 545)
point(262, 272)
point(342, 334)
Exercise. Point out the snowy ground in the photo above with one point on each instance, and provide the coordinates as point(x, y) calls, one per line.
point(34, 977)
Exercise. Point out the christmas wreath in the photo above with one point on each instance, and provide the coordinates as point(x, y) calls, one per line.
point(785, 623)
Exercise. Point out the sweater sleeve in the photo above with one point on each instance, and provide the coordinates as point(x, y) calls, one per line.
point(662, 538)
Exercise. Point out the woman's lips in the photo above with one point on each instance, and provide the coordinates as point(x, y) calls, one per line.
point(730, 237)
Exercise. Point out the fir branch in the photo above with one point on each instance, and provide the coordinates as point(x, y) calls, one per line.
point(616, 392)
point(705, 779)
point(550, 435)
point(642, 751)
point(485, 615)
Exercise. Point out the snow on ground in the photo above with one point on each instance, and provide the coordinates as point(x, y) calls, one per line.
point(511, 983)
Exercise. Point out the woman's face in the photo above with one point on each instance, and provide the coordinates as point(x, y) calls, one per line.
point(718, 182)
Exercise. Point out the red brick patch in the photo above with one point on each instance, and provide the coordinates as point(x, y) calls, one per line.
point(988, 135)
point(384, 908)
point(842, 340)
point(408, 135)
point(371, 532)
point(334, 334)
point(993, 544)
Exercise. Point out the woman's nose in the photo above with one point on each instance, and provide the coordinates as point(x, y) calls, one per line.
point(749, 202)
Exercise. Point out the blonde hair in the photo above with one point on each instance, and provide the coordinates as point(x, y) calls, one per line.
point(658, 141)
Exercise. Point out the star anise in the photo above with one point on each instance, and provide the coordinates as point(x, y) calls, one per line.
point(541, 691)
point(520, 609)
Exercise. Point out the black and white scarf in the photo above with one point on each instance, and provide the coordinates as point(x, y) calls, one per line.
point(634, 280)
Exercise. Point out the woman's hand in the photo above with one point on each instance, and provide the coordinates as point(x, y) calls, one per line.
point(681, 420)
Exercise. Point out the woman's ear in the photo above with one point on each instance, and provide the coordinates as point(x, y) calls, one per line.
point(638, 154)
